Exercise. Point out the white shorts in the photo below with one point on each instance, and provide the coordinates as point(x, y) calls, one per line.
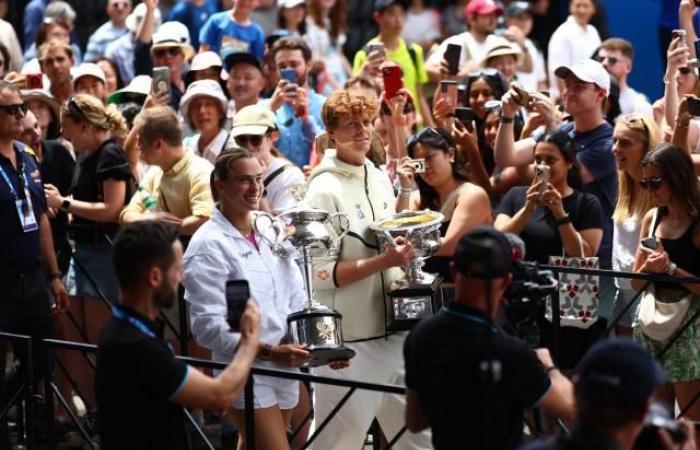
point(270, 391)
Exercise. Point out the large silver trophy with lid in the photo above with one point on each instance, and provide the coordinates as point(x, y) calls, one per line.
point(418, 294)
point(313, 232)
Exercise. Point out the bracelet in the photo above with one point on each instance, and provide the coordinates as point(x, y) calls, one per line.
point(550, 368)
point(405, 191)
point(671, 268)
point(564, 220)
point(265, 352)
point(505, 119)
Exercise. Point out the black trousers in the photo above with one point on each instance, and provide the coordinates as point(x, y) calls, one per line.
point(25, 308)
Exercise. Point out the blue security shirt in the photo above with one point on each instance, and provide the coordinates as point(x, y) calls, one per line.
point(594, 151)
point(193, 16)
point(297, 137)
point(220, 32)
point(21, 251)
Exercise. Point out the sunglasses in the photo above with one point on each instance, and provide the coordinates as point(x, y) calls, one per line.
point(245, 139)
point(14, 108)
point(431, 136)
point(172, 51)
point(611, 59)
point(75, 108)
point(652, 183)
point(636, 120)
point(488, 72)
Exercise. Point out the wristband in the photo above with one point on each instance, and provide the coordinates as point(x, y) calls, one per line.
point(671, 268)
point(564, 220)
point(550, 368)
point(505, 119)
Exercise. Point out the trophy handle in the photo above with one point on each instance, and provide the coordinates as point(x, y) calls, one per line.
point(343, 224)
point(264, 221)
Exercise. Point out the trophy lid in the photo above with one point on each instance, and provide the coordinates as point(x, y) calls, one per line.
point(302, 210)
point(314, 310)
point(408, 220)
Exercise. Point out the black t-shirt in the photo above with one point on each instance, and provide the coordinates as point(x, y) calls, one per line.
point(57, 167)
point(91, 170)
point(137, 375)
point(577, 440)
point(443, 356)
point(21, 251)
point(541, 234)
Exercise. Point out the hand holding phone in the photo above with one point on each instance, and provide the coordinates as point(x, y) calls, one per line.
point(465, 116)
point(161, 81)
point(452, 54)
point(392, 81)
point(448, 88)
point(523, 98)
point(237, 295)
point(649, 243)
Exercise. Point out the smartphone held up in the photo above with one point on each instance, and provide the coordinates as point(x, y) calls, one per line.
point(237, 295)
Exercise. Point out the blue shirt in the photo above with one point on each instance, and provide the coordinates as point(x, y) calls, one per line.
point(33, 15)
point(193, 16)
point(21, 251)
point(99, 40)
point(594, 151)
point(121, 52)
point(220, 32)
point(297, 137)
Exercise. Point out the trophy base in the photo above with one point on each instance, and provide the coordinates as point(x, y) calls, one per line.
point(411, 303)
point(323, 356)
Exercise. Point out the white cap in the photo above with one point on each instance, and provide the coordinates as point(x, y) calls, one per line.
point(89, 69)
point(252, 119)
point(290, 3)
point(587, 70)
point(173, 34)
point(140, 85)
point(134, 19)
point(206, 60)
point(203, 88)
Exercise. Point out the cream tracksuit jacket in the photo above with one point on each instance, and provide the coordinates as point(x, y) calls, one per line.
point(365, 194)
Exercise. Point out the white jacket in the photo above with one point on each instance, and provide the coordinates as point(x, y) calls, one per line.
point(366, 195)
point(218, 252)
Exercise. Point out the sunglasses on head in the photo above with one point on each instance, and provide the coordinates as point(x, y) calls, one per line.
point(611, 59)
point(161, 52)
point(651, 183)
point(252, 139)
point(488, 72)
point(75, 108)
point(429, 134)
point(14, 108)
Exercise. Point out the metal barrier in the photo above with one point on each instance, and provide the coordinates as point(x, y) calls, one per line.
point(27, 432)
point(30, 405)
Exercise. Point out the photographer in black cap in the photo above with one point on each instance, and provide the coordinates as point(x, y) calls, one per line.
point(467, 379)
point(614, 386)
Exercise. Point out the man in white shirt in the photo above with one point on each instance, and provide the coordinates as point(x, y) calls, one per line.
point(573, 41)
point(482, 16)
point(616, 56)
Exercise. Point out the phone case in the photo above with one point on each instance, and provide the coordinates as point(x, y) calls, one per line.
point(392, 81)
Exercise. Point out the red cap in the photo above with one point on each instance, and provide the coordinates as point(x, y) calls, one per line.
point(483, 7)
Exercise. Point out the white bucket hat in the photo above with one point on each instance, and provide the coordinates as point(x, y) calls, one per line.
point(202, 88)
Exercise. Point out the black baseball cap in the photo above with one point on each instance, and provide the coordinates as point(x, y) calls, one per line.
point(618, 372)
point(381, 5)
point(517, 8)
point(231, 58)
point(484, 252)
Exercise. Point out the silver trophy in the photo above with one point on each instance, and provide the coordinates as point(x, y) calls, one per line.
point(312, 232)
point(418, 294)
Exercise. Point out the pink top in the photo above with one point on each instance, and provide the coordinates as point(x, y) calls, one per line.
point(251, 239)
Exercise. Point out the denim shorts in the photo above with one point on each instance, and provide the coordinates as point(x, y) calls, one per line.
point(91, 268)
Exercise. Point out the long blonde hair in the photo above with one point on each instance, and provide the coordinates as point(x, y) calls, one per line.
point(642, 129)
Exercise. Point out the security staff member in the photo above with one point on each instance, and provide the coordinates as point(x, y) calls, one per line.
point(466, 379)
point(25, 305)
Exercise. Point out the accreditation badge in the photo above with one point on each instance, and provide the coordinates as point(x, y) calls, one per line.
point(25, 212)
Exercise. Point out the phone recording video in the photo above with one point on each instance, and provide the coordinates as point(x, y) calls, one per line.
point(392, 81)
point(452, 54)
point(237, 295)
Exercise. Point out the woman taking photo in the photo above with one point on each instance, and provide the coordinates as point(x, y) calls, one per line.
point(634, 135)
point(667, 173)
point(444, 186)
point(551, 218)
point(100, 189)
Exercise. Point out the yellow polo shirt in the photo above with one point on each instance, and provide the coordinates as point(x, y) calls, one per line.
point(183, 190)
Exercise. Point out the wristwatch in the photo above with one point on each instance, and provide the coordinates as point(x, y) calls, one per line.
point(564, 220)
point(505, 119)
point(671, 268)
point(65, 206)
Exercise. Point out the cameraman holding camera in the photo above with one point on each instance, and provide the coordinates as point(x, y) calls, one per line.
point(467, 379)
point(614, 389)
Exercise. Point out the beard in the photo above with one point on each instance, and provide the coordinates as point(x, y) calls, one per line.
point(165, 296)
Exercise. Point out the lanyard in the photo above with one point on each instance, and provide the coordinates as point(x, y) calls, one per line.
point(21, 173)
point(453, 312)
point(142, 327)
